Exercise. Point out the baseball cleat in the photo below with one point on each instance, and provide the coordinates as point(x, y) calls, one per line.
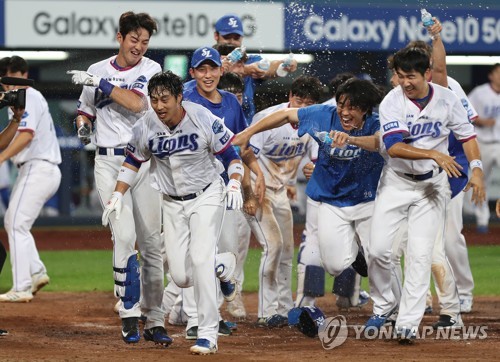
point(377, 321)
point(192, 333)
point(276, 321)
point(158, 335)
point(446, 321)
point(428, 310)
point(16, 297)
point(405, 336)
point(203, 347)
point(466, 305)
point(224, 329)
point(3, 332)
point(236, 308)
point(228, 289)
point(38, 281)
point(117, 306)
point(130, 330)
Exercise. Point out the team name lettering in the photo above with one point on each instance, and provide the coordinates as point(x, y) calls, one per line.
point(287, 150)
point(418, 130)
point(163, 147)
point(346, 154)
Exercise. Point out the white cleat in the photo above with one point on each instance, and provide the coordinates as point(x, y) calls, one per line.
point(236, 308)
point(38, 281)
point(16, 297)
point(466, 305)
point(203, 347)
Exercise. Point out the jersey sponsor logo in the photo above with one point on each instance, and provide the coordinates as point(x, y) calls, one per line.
point(22, 124)
point(162, 147)
point(139, 83)
point(255, 150)
point(224, 139)
point(390, 125)
point(217, 127)
point(421, 130)
point(130, 148)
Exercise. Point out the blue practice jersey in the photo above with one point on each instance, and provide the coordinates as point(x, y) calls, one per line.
point(342, 177)
point(229, 110)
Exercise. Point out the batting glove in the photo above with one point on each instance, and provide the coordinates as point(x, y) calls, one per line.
point(82, 77)
point(234, 199)
point(83, 133)
point(114, 204)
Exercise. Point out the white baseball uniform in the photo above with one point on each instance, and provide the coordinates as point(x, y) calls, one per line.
point(279, 152)
point(416, 190)
point(141, 218)
point(185, 171)
point(37, 181)
point(450, 259)
point(487, 103)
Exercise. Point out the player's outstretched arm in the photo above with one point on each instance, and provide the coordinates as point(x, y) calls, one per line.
point(125, 178)
point(250, 160)
point(476, 180)
point(124, 97)
point(9, 132)
point(369, 143)
point(439, 72)
point(274, 120)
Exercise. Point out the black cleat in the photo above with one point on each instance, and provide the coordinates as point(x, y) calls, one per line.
point(158, 335)
point(360, 263)
point(130, 330)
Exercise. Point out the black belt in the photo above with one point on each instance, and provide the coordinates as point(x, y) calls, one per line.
point(111, 151)
point(19, 165)
point(425, 176)
point(190, 196)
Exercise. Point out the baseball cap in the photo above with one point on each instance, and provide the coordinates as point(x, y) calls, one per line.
point(205, 53)
point(229, 24)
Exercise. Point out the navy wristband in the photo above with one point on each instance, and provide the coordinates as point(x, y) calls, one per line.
point(106, 87)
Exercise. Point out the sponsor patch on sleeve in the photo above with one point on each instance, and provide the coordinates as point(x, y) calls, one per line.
point(130, 148)
point(390, 125)
point(217, 127)
point(224, 139)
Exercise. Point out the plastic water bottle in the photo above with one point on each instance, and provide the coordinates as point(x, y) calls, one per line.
point(264, 64)
point(281, 71)
point(426, 18)
point(324, 137)
point(237, 54)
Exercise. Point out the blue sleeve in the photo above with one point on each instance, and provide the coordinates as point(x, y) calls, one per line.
point(392, 138)
point(228, 155)
point(314, 118)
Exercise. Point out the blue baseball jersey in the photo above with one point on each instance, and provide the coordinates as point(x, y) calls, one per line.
point(249, 90)
point(342, 177)
point(229, 110)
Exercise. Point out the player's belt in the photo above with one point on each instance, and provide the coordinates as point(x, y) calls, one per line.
point(190, 196)
point(422, 177)
point(110, 151)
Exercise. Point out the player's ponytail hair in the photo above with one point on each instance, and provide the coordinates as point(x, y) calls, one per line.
point(165, 81)
point(361, 93)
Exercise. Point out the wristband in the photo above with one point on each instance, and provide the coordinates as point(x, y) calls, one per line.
point(476, 164)
point(235, 168)
point(106, 87)
point(15, 120)
point(126, 175)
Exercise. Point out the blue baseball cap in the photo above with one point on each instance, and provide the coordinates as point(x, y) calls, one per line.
point(205, 53)
point(229, 24)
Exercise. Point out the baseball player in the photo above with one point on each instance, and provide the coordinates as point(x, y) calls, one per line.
point(180, 138)
point(279, 153)
point(35, 152)
point(112, 101)
point(310, 273)
point(206, 71)
point(486, 100)
point(416, 119)
point(229, 30)
point(344, 181)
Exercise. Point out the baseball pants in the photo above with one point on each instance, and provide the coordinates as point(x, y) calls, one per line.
point(490, 155)
point(36, 182)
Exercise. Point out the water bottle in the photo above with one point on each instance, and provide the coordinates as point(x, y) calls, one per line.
point(324, 137)
point(264, 64)
point(426, 18)
point(236, 55)
point(281, 71)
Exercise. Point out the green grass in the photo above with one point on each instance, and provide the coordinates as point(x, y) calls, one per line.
point(91, 270)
